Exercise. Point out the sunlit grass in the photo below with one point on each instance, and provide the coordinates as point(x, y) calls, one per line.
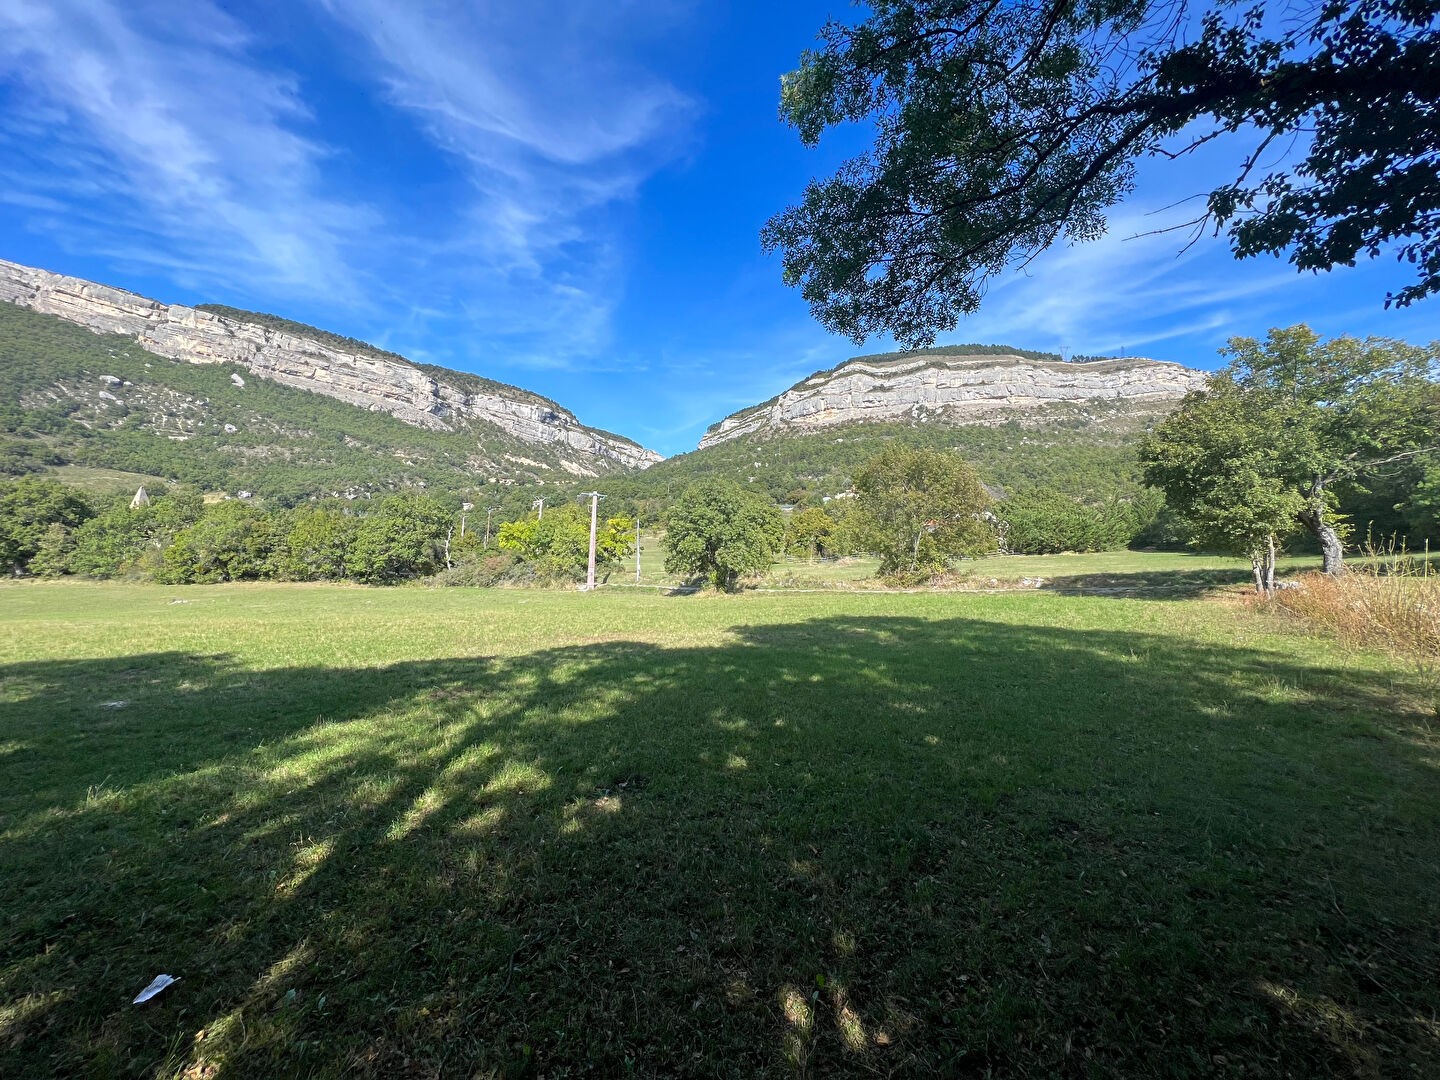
point(455, 832)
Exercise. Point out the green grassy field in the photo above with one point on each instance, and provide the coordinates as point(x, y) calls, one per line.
point(103, 483)
point(415, 832)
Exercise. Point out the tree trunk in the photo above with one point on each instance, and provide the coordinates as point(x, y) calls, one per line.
point(1332, 552)
point(1270, 564)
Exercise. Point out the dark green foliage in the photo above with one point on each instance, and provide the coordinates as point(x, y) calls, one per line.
point(232, 541)
point(721, 531)
point(30, 508)
point(1002, 128)
point(52, 554)
point(316, 543)
point(124, 542)
point(487, 568)
point(1423, 508)
point(1043, 521)
point(918, 509)
point(402, 536)
point(177, 539)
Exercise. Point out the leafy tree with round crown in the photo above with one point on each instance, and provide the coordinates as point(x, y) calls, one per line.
point(721, 531)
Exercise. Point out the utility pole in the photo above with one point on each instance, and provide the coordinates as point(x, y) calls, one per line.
point(488, 511)
point(637, 549)
point(465, 508)
point(539, 504)
point(595, 498)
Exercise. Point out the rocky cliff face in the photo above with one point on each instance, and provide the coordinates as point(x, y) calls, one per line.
point(955, 388)
point(404, 391)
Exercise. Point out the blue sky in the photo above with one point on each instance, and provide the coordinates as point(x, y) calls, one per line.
point(565, 196)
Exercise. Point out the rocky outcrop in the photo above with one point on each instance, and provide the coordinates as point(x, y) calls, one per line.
point(955, 388)
point(366, 381)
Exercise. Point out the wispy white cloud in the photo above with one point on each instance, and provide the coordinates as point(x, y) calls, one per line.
point(170, 144)
point(555, 129)
point(1134, 289)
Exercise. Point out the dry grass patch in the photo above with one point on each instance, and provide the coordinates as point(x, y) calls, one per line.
point(1399, 612)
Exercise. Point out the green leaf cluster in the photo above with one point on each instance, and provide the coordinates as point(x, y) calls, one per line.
point(1003, 128)
point(721, 531)
point(919, 509)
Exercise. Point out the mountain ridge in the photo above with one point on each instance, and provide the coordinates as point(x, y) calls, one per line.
point(954, 387)
point(302, 358)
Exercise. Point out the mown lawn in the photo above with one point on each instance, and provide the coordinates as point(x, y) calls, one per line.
point(452, 833)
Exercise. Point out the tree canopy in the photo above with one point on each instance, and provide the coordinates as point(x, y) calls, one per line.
point(919, 508)
point(722, 531)
point(1004, 126)
point(1263, 448)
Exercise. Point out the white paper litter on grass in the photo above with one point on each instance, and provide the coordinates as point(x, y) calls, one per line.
point(160, 982)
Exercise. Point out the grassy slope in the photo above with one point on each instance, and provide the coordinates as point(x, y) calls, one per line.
point(394, 832)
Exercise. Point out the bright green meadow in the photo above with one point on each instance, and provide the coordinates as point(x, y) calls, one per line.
point(419, 833)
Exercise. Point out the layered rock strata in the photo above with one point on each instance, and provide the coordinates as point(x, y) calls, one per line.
point(955, 388)
point(392, 386)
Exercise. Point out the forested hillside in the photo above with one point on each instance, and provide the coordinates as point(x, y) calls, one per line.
point(1089, 453)
point(79, 398)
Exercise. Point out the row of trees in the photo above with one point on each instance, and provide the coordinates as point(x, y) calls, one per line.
point(175, 537)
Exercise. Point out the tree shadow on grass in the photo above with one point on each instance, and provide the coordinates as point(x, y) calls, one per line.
point(841, 846)
point(1142, 584)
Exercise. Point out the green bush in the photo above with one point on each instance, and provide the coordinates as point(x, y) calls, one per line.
point(403, 536)
point(557, 546)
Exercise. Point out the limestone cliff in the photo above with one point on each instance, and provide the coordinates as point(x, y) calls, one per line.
point(955, 388)
point(361, 379)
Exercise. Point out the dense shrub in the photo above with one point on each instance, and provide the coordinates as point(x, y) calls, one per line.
point(316, 544)
point(557, 546)
point(122, 541)
point(402, 536)
point(1044, 521)
point(488, 569)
